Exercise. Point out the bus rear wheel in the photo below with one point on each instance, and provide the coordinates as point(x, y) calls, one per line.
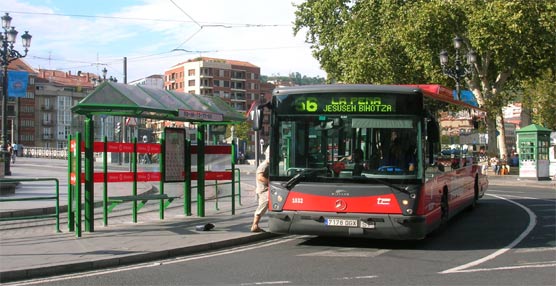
point(444, 209)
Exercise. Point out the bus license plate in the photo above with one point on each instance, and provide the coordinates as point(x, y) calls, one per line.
point(341, 222)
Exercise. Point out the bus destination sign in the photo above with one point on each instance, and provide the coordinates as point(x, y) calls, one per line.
point(346, 104)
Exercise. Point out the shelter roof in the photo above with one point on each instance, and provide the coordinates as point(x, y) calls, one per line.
point(119, 99)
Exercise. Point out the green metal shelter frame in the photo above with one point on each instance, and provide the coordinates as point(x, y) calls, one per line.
point(117, 99)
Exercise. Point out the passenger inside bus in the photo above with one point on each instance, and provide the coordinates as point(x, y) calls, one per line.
point(354, 161)
point(398, 154)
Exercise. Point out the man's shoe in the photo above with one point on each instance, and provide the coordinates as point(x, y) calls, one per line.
point(256, 229)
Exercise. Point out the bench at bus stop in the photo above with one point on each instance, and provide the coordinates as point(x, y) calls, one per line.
point(143, 199)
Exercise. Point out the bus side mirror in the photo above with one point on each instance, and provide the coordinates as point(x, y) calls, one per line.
point(257, 118)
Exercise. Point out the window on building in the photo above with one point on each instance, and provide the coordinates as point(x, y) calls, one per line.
point(238, 74)
point(191, 82)
point(191, 72)
point(47, 133)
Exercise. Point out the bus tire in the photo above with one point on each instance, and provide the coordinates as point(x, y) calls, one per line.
point(444, 209)
point(475, 194)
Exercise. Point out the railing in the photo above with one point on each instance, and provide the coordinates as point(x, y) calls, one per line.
point(55, 197)
point(45, 152)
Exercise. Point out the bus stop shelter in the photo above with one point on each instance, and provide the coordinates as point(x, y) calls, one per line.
point(117, 99)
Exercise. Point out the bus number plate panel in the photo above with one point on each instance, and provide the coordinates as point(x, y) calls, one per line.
point(341, 222)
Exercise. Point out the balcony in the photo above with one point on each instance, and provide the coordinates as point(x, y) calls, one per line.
point(46, 107)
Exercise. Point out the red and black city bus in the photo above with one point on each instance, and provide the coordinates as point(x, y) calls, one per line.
point(375, 161)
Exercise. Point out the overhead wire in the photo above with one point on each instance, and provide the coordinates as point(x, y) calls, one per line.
point(156, 55)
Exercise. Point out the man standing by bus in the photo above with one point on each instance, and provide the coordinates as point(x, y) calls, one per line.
point(262, 191)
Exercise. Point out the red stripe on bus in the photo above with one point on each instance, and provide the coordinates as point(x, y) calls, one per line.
point(383, 204)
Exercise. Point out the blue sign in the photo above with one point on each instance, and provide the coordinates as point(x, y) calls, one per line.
point(17, 83)
point(467, 96)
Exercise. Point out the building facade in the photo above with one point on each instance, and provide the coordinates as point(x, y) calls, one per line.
point(55, 94)
point(155, 81)
point(236, 82)
point(21, 111)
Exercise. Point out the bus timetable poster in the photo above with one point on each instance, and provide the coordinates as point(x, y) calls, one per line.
point(174, 157)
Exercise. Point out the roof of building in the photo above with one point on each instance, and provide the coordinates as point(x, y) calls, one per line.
point(66, 78)
point(21, 65)
point(208, 59)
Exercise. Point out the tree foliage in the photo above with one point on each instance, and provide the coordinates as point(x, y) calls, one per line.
point(241, 130)
point(539, 96)
point(398, 42)
point(295, 78)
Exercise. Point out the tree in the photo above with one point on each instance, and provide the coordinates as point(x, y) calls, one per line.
point(295, 78)
point(397, 42)
point(241, 130)
point(539, 96)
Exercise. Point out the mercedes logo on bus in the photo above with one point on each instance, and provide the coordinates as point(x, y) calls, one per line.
point(341, 205)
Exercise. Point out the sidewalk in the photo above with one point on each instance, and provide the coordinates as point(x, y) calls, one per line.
point(32, 248)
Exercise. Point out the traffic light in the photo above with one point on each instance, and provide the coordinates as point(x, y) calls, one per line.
point(118, 127)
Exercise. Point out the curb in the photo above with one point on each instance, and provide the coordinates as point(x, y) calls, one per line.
point(42, 272)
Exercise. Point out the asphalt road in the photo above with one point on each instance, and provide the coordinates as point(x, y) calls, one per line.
point(509, 239)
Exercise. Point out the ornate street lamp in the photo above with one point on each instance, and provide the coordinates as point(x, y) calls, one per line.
point(458, 71)
point(99, 80)
point(9, 54)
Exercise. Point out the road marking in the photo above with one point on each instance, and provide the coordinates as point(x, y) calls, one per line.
point(532, 223)
point(356, 277)
point(159, 263)
point(346, 252)
point(267, 283)
point(540, 265)
point(540, 249)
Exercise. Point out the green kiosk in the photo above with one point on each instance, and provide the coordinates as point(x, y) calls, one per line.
point(533, 143)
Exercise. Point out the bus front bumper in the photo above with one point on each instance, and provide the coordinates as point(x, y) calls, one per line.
point(375, 226)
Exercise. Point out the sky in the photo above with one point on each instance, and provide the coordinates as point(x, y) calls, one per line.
point(154, 35)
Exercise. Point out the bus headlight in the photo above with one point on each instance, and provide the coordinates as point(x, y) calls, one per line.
point(278, 196)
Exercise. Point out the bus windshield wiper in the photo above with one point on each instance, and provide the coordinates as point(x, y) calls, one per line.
point(299, 177)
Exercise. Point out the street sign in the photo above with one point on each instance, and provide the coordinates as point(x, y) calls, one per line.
point(131, 121)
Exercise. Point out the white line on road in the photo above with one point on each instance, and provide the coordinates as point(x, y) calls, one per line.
point(532, 223)
point(266, 283)
point(346, 252)
point(159, 263)
point(356, 277)
point(540, 265)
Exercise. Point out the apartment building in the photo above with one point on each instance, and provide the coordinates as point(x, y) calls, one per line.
point(55, 94)
point(21, 111)
point(236, 82)
point(155, 81)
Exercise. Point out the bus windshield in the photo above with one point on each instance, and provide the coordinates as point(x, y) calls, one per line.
point(352, 146)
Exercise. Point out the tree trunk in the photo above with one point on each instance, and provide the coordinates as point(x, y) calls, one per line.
point(491, 130)
point(502, 136)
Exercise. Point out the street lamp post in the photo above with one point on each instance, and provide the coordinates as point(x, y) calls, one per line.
point(458, 71)
point(9, 54)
